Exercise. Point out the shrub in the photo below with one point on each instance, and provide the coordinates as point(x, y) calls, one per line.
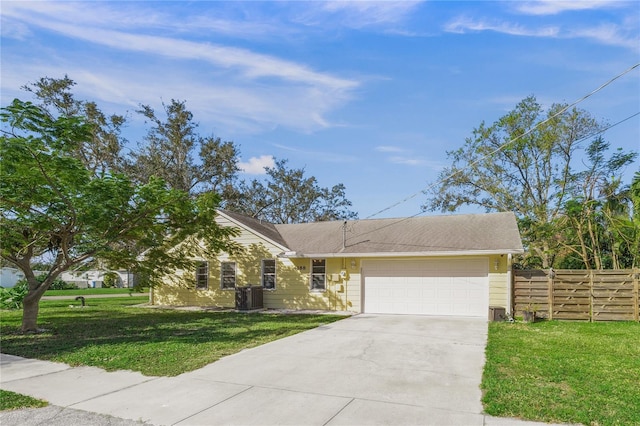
point(11, 298)
point(111, 279)
point(58, 284)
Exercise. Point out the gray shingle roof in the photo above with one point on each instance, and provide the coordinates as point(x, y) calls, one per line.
point(426, 235)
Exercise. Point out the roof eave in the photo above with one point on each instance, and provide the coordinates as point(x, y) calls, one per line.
point(294, 255)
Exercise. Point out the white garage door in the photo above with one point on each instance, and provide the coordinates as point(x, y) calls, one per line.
point(427, 287)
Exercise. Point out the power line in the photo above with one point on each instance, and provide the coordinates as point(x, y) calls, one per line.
point(504, 145)
point(400, 220)
point(421, 212)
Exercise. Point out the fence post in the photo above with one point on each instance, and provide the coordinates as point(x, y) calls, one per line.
point(591, 295)
point(636, 294)
point(550, 292)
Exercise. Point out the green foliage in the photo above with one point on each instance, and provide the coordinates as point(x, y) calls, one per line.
point(288, 196)
point(14, 401)
point(112, 334)
point(172, 147)
point(597, 226)
point(87, 291)
point(59, 284)
point(526, 162)
point(564, 372)
point(51, 203)
point(99, 151)
point(12, 298)
point(110, 280)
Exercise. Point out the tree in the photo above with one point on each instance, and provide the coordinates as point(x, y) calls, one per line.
point(521, 163)
point(52, 203)
point(287, 196)
point(101, 152)
point(634, 194)
point(596, 218)
point(175, 152)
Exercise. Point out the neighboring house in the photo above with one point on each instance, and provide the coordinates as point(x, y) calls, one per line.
point(82, 279)
point(9, 277)
point(95, 277)
point(433, 265)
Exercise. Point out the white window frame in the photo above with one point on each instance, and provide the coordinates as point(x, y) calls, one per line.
point(222, 275)
point(314, 274)
point(264, 274)
point(199, 274)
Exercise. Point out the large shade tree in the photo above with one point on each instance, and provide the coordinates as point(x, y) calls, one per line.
point(175, 151)
point(100, 152)
point(287, 195)
point(53, 204)
point(527, 162)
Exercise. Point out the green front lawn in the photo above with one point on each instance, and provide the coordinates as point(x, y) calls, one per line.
point(89, 291)
point(14, 401)
point(568, 372)
point(110, 334)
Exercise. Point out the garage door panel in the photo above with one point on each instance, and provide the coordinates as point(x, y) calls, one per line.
point(432, 287)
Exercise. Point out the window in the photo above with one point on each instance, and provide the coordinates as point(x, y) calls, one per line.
point(228, 272)
point(318, 274)
point(269, 274)
point(202, 275)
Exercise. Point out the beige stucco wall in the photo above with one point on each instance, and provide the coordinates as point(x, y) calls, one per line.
point(343, 286)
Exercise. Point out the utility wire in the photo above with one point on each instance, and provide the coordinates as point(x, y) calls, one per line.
point(421, 212)
point(504, 145)
point(600, 131)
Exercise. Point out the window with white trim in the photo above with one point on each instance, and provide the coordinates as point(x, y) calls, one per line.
point(318, 274)
point(269, 274)
point(202, 275)
point(228, 275)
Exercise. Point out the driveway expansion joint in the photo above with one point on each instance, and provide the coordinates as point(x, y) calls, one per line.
point(216, 404)
point(151, 379)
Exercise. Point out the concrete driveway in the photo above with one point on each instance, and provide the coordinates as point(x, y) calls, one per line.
point(367, 369)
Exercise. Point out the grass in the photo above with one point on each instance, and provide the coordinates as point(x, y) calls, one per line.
point(86, 291)
point(568, 372)
point(14, 401)
point(111, 334)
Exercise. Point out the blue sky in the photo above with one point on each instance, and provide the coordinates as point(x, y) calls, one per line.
point(370, 95)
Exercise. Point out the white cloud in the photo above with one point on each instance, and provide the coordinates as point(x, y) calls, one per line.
point(610, 34)
point(139, 15)
point(256, 165)
point(250, 64)
point(462, 25)
point(416, 161)
point(408, 161)
point(358, 14)
point(554, 7)
point(224, 85)
point(386, 16)
point(388, 148)
point(323, 156)
point(15, 30)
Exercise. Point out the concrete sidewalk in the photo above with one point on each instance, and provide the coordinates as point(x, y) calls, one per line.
point(365, 370)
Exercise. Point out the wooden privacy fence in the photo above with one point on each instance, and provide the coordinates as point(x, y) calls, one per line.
point(586, 295)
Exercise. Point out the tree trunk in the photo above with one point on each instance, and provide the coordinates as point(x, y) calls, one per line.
point(30, 308)
point(583, 246)
point(31, 302)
